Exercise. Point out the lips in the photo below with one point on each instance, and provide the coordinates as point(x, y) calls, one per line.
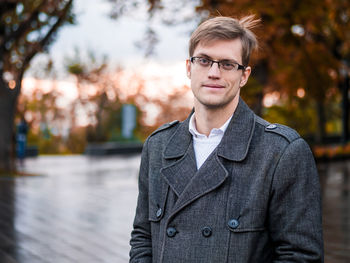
point(213, 86)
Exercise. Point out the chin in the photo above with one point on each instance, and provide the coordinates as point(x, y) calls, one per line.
point(216, 105)
point(222, 104)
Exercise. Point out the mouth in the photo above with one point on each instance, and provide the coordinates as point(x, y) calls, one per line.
point(213, 86)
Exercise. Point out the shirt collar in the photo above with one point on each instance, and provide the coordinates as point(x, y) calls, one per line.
point(216, 131)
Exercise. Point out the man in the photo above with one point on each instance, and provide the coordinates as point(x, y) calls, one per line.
point(226, 185)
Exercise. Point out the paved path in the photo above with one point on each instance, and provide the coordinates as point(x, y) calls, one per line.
point(77, 210)
point(336, 211)
point(80, 209)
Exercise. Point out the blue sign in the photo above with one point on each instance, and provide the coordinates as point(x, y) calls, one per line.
point(128, 120)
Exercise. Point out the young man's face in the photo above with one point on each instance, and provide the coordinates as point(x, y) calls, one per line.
point(214, 87)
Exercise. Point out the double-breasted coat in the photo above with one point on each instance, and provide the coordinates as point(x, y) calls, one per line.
point(255, 199)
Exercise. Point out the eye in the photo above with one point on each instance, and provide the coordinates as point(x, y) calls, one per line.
point(228, 64)
point(204, 61)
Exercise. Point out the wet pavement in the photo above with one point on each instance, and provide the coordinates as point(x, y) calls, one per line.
point(76, 210)
point(336, 210)
point(80, 209)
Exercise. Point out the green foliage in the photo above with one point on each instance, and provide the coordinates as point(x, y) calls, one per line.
point(300, 113)
point(297, 114)
point(75, 69)
point(85, 67)
point(76, 141)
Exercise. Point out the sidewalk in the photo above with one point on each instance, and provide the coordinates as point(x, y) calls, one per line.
point(336, 211)
point(80, 209)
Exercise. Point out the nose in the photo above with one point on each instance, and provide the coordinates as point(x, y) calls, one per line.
point(214, 71)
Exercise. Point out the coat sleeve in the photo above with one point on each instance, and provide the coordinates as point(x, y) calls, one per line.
point(141, 241)
point(295, 218)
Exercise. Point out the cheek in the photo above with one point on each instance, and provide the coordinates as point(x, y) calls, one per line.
point(235, 82)
point(195, 78)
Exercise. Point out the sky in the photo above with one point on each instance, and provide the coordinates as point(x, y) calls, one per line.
point(96, 31)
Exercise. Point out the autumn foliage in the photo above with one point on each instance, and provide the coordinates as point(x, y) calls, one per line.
point(304, 46)
point(302, 66)
point(94, 116)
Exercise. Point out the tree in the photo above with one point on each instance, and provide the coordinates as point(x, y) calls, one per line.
point(44, 115)
point(26, 29)
point(304, 45)
point(102, 92)
point(164, 107)
point(98, 95)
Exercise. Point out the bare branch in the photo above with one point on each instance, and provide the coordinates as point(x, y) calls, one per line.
point(23, 26)
point(37, 47)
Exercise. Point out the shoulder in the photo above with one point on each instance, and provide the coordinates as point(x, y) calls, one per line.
point(275, 129)
point(165, 127)
point(282, 140)
point(159, 138)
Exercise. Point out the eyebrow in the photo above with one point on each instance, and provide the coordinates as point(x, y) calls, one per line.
point(209, 57)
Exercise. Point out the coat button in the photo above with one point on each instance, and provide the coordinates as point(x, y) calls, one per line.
point(171, 231)
point(206, 231)
point(233, 223)
point(271, 127)
point(159, 213)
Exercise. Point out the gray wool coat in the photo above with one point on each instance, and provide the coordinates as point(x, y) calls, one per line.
point(255, 199)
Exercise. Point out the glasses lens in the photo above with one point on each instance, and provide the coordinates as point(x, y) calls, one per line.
point(203, 62)
point(228, 65)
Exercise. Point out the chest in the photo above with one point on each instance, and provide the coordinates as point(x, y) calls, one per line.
point(219, 191)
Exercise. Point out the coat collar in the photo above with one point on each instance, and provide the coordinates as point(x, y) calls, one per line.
point(233, 146)
point(179, 142)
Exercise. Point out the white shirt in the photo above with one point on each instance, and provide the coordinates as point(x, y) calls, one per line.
point(203, 145)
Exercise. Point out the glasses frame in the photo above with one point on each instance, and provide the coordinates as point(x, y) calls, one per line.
point(219, 62)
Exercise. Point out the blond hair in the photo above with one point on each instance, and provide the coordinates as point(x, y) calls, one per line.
point(227, 28)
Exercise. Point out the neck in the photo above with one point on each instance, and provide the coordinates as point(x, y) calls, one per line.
point(210, 118)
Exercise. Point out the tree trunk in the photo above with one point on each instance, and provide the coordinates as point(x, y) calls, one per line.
point(344, 87)
point(261, 74)
point(7, 134)
point(320, 135)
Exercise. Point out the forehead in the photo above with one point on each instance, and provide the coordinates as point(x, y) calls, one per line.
point(220, 49)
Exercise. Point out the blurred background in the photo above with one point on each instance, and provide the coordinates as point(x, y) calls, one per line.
point(81, 80)
point(68, 67)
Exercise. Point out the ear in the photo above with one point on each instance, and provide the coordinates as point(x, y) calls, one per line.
point(188, 68)
point(245, 76)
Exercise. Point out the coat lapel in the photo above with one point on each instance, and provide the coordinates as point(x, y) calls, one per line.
point(210, 176)
point(235, 144)
point(180, 159)
point(179, 173)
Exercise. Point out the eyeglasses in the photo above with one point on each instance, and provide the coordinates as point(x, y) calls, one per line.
point(227, 65)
